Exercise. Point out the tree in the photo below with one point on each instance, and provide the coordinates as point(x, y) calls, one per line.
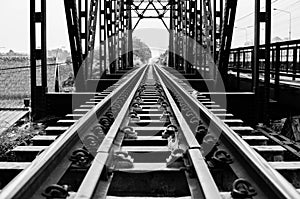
point(141, 50)
point(163, 58)
point(276, 39)
point(59, 53)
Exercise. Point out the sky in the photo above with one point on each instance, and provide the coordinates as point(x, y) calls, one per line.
point(280, 20)
point(14, 23)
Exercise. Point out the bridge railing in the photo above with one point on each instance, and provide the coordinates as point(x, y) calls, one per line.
point(284, 60)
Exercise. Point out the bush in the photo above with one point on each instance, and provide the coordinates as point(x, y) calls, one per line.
point(16, 136)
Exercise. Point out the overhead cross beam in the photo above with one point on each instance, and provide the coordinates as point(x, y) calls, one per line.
point(141, 15)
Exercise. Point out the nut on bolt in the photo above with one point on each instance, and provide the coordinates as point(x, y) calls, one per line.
point(242, 189)
point(56, 191)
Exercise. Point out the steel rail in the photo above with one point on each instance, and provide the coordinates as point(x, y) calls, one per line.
point(280, 186)
point(89, 184)
point(24, 182)
point(209, 188)
point(91, 179)
point(188, 134)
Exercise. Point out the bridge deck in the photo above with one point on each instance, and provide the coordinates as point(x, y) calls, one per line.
point(9, 118)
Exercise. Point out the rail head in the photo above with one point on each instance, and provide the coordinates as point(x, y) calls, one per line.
point(187, 132)
point(91, 180)
point(87, 188)
point(279, 184)
point(209, 188)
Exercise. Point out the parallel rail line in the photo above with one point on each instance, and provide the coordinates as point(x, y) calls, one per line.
point(147, 136)
point(233, 139)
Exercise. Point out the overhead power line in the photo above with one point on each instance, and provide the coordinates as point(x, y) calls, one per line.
point(250, 14)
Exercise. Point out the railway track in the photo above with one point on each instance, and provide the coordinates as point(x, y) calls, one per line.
point(147, 136)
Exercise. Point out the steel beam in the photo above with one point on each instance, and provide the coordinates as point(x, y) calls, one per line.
point(208, 37)
point(38, 53)
point(198, 31)
point(185, 30)
point(259, 55)
point(177, 30)
point(83, 28)
point(171, 37)
point(129, 35)
point(180, 35)
point(110, 35)
point(91, 37)
point(75, 43)
point(277, 72)
point(102, 38)
point(122, 36)
point(217, 26)
point(117, 33)
point(226, 37)
point(191, 36)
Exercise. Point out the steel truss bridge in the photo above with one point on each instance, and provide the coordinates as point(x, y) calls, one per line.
point(156, 131)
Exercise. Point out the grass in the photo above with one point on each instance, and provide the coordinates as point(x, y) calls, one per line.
point(18, 135)
point(15, 82)
point(14, 87)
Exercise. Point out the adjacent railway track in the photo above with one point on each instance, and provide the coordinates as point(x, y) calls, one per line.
point(147, 136)
point(237, 142)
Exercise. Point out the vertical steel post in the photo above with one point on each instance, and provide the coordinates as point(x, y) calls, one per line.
point(125, 39)
point(171, 35)
point(277, 71)
point(121, 36)
point(114, 35)
point(262, 17)
point(185, 35)
point(181, 34)
point(256, 56)
point(238, 53)
point(91, 36)
point(129, 35)
point(83, 28)
point(217, 27)
point(198, 30)
point(102, 35)
point(295, 56)
point(117, 33)
point(191, 36)
point(110, 34)
point(177, 34)
point(38, 53)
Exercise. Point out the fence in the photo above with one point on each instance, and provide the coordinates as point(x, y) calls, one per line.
point(284, 58)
